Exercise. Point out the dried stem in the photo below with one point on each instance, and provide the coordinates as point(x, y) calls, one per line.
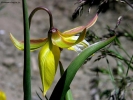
point(125, 1)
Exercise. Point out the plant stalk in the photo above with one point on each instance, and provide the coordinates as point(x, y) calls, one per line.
point(26, 71)
point(45, 9)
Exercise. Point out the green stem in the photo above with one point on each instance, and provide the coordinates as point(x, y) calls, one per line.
point(125, 51)
point(69, 93)
point(129, 66)
point(27, 73)
point(110, 72)
point(125, 60)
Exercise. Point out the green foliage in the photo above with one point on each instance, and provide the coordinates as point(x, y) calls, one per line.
point(119, 74)
point(65, 81)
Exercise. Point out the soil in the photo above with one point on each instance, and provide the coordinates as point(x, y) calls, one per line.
point(11, 59)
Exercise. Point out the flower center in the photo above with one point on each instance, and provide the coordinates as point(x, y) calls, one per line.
point(54, 30)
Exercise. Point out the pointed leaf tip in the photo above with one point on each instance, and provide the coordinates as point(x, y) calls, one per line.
point(64, 83)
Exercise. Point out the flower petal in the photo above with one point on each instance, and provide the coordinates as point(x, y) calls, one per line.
point(48, 61)
point(2, 96)
point(80, 46)
point(34, 43)
point(65, 42)
point(76, 30)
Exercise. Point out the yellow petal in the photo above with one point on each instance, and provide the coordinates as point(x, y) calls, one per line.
point(34, 43)
point(76, 30)
point(48, 61)
point(2, 96)
point(65, 42)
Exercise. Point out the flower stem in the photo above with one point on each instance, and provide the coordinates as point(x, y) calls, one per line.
point(45, 9)
point(129, 66)
point(110, 71)
point(27, 73)
point(51, 29)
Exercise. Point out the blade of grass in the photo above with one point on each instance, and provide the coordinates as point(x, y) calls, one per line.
point(27, 73)
point(42, 92)
point(63, 84)
point(129, 66)
point(46, 97)
point(38, 96)
point(117, 55)
point(110, 71)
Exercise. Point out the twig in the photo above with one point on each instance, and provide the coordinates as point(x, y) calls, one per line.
point(127, 3)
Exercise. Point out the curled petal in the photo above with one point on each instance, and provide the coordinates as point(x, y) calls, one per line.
point(2, 96)
point(65, 42)
point(48, 61)
point(79, 29)
point(34, 43)
point(80, 46)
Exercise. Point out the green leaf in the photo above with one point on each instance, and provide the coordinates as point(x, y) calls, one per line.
point(69, 93)
point(120, 68)
point(64, 83)
point(100, 70)
point(117, 55)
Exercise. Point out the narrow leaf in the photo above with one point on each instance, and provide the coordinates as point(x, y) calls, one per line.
point(64, 83)
point(69, 93)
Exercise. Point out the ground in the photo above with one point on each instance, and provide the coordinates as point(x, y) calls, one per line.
point(11, 59)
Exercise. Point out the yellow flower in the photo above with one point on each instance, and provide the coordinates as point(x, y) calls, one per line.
point(80, 46)
point(2, 96)
point(49, 54)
